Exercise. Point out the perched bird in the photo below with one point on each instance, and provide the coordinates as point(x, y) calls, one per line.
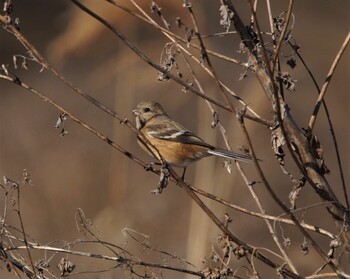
point(176, 145)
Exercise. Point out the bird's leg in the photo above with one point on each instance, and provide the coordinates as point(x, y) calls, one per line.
point(163, 179)
point(183, 174)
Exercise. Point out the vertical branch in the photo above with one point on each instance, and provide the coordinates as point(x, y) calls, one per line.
point(23, 230)
point(283, 33)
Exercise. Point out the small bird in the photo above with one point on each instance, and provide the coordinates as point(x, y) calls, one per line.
point(177, 146)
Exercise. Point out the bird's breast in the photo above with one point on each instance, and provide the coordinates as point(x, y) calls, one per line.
point(176, 153)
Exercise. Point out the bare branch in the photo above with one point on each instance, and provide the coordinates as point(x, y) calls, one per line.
point(327, 81)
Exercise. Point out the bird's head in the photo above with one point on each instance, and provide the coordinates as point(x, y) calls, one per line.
point(145, 111)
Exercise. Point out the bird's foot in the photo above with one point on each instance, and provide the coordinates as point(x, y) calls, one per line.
point(163, 179)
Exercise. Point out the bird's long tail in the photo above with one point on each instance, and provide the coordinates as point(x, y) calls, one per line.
point(231, 155)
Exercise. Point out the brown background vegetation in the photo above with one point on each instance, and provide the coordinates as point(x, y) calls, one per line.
point(80, 171)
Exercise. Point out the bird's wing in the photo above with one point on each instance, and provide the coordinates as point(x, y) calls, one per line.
point(170, 131)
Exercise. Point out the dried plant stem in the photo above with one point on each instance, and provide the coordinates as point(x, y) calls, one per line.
point(289, 129)
point(145, 58)
point(327, 81)
point(23, 231)
point(331, 127)
point(269, 12)
point(283, 33)
point(268, 224)
point(118, 259)
point(272, 91)
point(274, 196)
point(255, 116)
point(262, 215)
point(178, 38)
point(213, 112)
point(39, 58)
point(225, 230)
point(270, 227)
point(15, 264)
point(325, 275)
point(205, 56)
point(272, 87)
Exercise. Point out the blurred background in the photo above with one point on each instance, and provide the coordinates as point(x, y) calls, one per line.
point(80, 171)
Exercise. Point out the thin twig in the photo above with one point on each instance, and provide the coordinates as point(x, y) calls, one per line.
point(224, 229)
point(146, 58)
point(23, 231)
point(39, 58)
point(255, 117)
point(326, 275)
point(331, 126)
point(271, 90)
point(151, 248)
point(261, 215)
point(205, 56)
point(327, 81)
point(283, 33)
point(273, 194)
point(177, 37)
point(44, 98)
point(216, 122)
point(118, 259)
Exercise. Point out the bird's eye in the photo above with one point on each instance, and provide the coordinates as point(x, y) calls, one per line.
point(146, 109)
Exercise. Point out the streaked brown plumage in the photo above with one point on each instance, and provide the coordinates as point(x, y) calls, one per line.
point(178, 146)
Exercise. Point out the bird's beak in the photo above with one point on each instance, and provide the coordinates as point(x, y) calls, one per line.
point(136, 112)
